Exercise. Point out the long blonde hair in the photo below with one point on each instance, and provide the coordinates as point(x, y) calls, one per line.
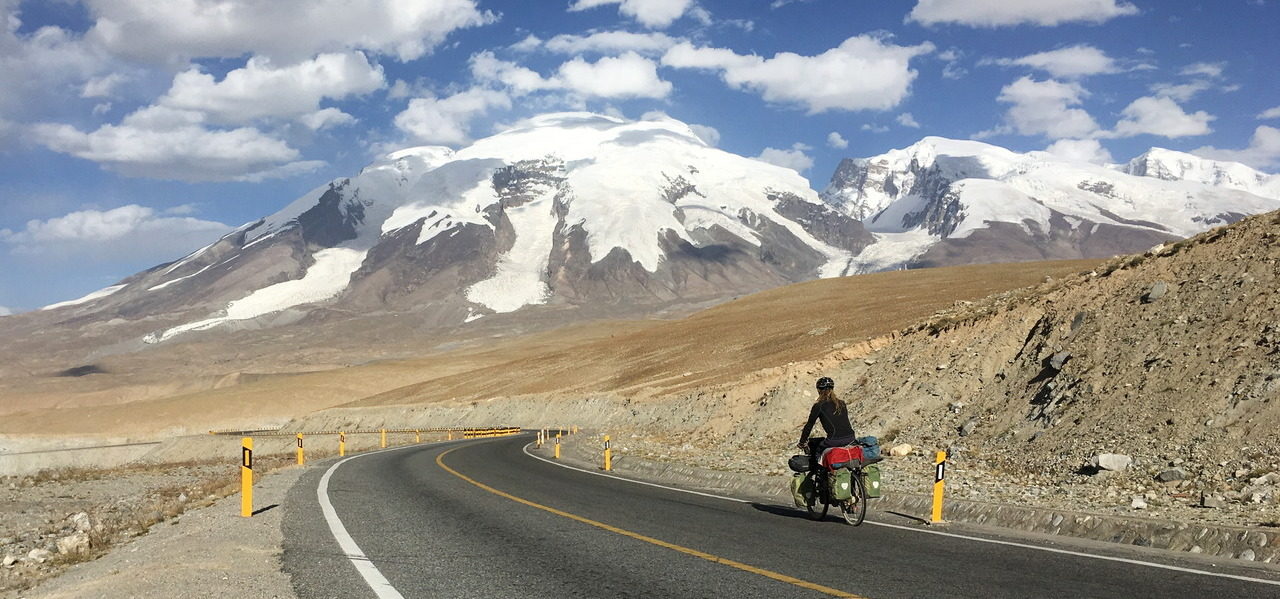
point(829, 395)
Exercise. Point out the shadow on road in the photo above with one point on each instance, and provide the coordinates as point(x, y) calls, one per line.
point(782, 510)
point(263, 509)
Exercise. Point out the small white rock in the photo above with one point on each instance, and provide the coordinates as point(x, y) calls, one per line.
point(39, 555)
point(1138, 503)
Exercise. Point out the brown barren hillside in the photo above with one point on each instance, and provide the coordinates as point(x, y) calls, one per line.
point(794, 323)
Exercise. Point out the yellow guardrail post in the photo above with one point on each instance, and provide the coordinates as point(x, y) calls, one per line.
point(450, 434)
point(384, 436)
point(301, 458)
point(557, 446)
point(608, 454)
point(246, 477)
point(342, 444)
point(417, 436)
point(939, 473)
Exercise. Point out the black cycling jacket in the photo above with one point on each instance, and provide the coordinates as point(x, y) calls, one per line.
point(834, 418)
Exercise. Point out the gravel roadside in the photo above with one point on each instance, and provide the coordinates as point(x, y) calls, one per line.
point(210, 552)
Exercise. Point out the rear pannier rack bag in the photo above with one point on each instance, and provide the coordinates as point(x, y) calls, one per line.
point(870, 449)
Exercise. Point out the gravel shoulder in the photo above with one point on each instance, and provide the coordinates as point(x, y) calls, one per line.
point(210, 552)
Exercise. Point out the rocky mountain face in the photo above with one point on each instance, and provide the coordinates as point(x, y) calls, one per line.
point(563, 210)
point(943, 201)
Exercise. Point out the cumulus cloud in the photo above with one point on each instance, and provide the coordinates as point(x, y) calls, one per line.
point(447, 121)
point(837, 141)
point(1263, 151)
point(102, 87)
point(650, 13)
point(817, 83)
point(906, 120)
point(261, 89)
point(177, 30)
point(1067, 63)
point(127, 231)
point(1212, 70)
point(1047, 108)
point(1270, 113)
point(1001, 13)
point(627, 76)
point(1160, 116)
point(1080, 150)
point(42, 66)
point(166, 143)
point(794, 158)
point(613, 77)
point(326, 118)
point(708, 134)
point(874, 128)
point(601, 42)
point(1180, 92)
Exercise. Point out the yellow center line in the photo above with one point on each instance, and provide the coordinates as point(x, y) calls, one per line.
point(685, 550)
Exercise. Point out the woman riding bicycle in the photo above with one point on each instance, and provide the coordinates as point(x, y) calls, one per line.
point(833, 413)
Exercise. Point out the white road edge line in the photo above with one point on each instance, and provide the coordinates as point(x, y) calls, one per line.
point(372, 576)
point(933, 532)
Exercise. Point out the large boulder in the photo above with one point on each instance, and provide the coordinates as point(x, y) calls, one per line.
point(1114, 462)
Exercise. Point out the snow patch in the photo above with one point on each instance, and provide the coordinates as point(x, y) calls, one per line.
point(99, 294)
point(519, 280)
point(179, 279)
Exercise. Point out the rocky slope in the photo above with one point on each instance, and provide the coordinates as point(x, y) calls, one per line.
point(943, 201)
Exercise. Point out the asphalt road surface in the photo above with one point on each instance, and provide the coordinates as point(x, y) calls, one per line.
point(483, 519)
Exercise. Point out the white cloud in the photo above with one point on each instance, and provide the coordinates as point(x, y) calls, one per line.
point(1270, 113)
point(627, 76)
point(1212, 70)
point(874, 128)
point(1047, 108)
point(43, 68)
point(795, 158)
point(325, 118)
point(102, 234)
point(288, 30)
point(1160, 116)
point(998, 13)
point(102, 87)
point(1067, 63)
point(650, 13)
point(1263, 151)
point(1179, 91)
point(603, 42)
point(906, 120)
point(448, 120)
point(164, 143)
point(1080, 150)
point(818, 83)
point(260, 89)
point(837, 141)
point(707, 133)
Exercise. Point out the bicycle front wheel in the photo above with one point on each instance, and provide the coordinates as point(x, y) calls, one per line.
point(815, 505)
point(855, 508)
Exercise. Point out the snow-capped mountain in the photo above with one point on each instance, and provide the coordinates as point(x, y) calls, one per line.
point(563, 209)
point(943, 201)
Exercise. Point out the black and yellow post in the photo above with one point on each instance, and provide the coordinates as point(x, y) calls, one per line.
point(246, 477)
point(301, 458)
point(557, 446)
point(939, 473)
point(608, 454)
point(384, 436)
point(342, 444)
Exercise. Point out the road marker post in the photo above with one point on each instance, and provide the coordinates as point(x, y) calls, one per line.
point(384, 437)
point(301, 457)
point(557, 446)
point(608, 455)
point(246, 477)
point(939, 473)
point(450, 434)
point(417, 436)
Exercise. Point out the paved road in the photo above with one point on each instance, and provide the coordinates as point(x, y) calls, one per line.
point(520, 527)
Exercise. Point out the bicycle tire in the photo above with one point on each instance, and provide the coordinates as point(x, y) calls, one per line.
point(854, 509)
point(811, 505)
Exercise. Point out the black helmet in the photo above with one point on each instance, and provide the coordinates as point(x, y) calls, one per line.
point(826, 383)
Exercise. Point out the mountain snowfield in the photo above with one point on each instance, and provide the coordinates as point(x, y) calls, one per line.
point(940, 190)
point(582, 209)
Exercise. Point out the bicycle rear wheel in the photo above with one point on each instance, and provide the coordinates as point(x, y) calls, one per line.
point(815, 506)
point(854, 509)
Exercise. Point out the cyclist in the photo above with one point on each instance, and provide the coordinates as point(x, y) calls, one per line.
point(834, 415)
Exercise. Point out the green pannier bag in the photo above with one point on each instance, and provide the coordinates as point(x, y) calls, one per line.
point(841, 485)
point(871, 480)
point(801, 489)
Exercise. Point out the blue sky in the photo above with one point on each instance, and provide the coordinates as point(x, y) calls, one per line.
point(132, 132)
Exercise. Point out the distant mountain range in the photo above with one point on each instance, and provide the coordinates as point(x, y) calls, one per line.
point(576, 209)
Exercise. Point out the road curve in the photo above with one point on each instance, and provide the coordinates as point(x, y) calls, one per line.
point(482, 519)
